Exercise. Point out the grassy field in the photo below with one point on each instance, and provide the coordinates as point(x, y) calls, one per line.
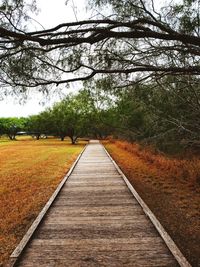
point(170, 187)
point(30, 170)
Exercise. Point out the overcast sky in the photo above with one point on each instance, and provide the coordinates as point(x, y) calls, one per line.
point(51, 13)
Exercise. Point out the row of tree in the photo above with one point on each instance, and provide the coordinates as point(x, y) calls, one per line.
point(75, 116)
point(150, 113)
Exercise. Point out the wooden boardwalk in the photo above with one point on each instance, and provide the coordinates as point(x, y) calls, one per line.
point(95, 221)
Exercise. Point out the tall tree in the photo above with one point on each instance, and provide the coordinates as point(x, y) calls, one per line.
point(10, 126)
point(40, 124)
point(71, 117)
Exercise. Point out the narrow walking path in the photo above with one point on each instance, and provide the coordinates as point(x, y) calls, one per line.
point(96, 221)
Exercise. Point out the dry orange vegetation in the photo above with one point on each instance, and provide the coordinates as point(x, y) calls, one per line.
point(170, 187)
point(29, 173)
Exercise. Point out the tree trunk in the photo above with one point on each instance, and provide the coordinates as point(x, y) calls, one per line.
point(11, 137)
point(73, 139)
point(62, 138)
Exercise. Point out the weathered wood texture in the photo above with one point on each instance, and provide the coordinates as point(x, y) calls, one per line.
point(96, 221)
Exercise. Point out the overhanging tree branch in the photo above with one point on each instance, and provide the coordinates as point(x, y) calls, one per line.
point(170, 70)
point(145, 42)
point(98, 34)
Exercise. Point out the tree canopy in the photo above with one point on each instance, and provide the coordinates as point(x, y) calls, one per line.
point(126, 43)
point(11, 126)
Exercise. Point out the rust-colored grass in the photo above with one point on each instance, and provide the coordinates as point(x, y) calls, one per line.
point(170, 187)
point(30, 171)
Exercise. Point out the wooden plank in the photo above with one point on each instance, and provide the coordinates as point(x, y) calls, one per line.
point(98, 196)
point(116, 226)
point(97, 223)
point(63, 215)
point(94, 232)
point(101, 189)
point(92, 183)
point(95, 177)
point(95, 195)
point(116, 256)
point(119, 258)
point(71, 202)
point(98, 219)
point(92, 262)
point(89, 173)
point(114, 244)
point(98, 211)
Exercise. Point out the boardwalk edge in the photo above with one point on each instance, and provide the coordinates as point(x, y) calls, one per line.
point(165, 236)
point(24, 241)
